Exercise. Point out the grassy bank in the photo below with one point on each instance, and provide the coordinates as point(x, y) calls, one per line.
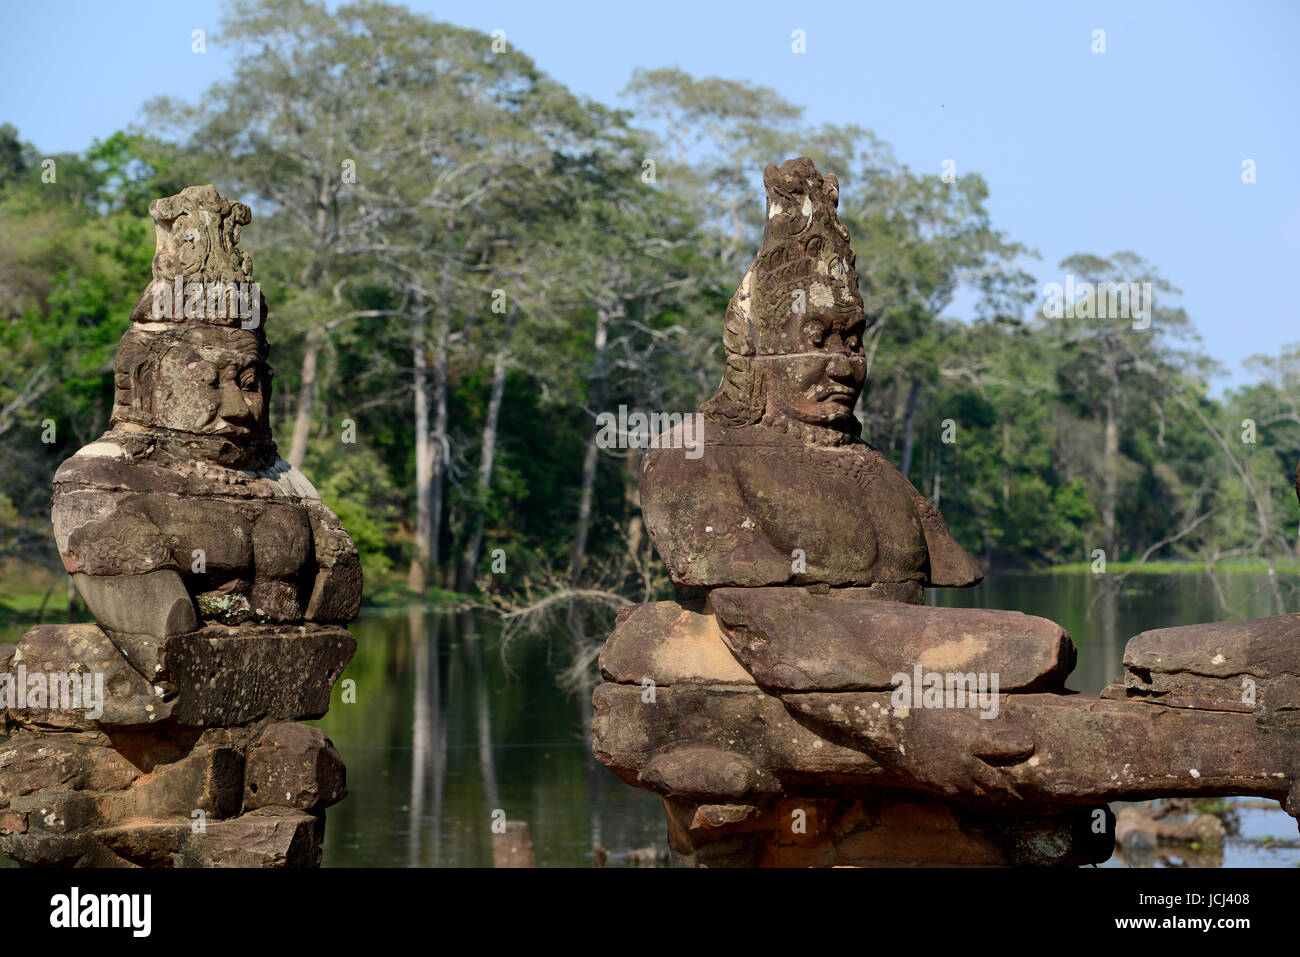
point(1285, 566)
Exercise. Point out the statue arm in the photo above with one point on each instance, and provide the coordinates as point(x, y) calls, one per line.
point(950, 564)
point(336, 592)
point(123, 566)
point(703, 528)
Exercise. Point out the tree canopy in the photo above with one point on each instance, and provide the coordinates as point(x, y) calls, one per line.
point(466, 263)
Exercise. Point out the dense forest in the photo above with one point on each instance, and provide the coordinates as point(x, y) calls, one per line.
point(466, 264)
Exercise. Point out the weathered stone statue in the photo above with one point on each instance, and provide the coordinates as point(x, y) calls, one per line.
point(797, 706)
point(184, 507)
point(219, 582)
point(786, 492)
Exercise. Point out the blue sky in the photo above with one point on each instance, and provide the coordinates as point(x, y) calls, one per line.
point(1138, 148)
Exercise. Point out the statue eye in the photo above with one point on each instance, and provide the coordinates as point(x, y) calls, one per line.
point(206, 373)
point(248, 379)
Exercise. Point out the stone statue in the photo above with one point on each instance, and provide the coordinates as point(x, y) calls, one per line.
point(182, 512)
point(797, 706)
point(785, 491)
point(219, 581)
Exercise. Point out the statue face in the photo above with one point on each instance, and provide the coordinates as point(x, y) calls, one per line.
point(213, 384)
point(208, 382)
point(821, 385)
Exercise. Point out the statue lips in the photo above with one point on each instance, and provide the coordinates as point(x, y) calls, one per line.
point(230, 430)
point(235, 420)
point(837, 394)
point(837, 401)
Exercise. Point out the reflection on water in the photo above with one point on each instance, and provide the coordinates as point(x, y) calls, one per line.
point(444, 732)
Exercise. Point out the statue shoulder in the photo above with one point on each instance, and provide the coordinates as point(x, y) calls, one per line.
point(103, 464)
point(102, 449)
point(950, 564)
point(289, 482)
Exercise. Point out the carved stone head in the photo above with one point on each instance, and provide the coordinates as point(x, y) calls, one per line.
point(192, 368)
point(208, 383)
point(793, 330)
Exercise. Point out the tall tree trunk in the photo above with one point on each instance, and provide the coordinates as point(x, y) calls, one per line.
point(487, 457)
point(635, 531)
point(439, 440)
point(589, 461)
point(306, 397)
point(326, 194)
point(1110, 465)
point(420, 726)
point(417, 579)
point(438, 443)
point(909, 426)
point(592, 456)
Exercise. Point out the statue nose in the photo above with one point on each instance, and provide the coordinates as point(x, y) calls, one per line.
point(838, 365)
point(233, 407)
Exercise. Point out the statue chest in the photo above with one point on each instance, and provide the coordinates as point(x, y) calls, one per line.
point(240, 539)
point(849, 512)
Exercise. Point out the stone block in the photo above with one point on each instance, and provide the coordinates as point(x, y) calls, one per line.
point(669, 644)
point(790, 640)
point(1250, 666)
point(218, 675)
point(293, 765)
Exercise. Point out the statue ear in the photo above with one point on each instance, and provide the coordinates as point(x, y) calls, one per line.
point(741, 399)
point(165, 210)
point(832, 189)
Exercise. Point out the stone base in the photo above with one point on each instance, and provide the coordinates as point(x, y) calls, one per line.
point(168, 797)
point(214, 677)
point(266, 838)
point(200, 765)
point(716, 708)
point(910, 832)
